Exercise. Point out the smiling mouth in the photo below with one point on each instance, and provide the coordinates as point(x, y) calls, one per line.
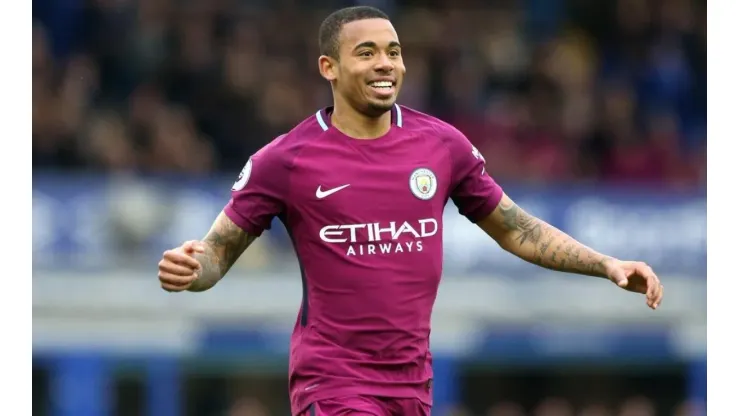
point(382, 87)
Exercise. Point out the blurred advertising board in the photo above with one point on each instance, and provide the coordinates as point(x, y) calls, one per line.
point(89, 221)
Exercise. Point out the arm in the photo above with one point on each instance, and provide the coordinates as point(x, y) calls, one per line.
point(483, 202)
point(538, 242)
point(222, 246)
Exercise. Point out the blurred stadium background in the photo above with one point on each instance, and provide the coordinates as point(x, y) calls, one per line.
point(590, 113)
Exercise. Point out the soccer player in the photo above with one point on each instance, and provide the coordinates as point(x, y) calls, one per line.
point(361, 187)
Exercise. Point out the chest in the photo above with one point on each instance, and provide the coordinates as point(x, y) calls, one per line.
point(356, 184)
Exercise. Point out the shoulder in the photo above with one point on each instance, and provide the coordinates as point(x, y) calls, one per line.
point(437, 129)
point(282, 151)
point(416, 120)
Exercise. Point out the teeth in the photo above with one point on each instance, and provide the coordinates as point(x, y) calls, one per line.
point(382, 84)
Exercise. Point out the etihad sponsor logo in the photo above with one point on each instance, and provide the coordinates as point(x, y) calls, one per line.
point(380, 238)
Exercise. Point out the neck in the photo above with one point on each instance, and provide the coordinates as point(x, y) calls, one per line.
point(359, 126)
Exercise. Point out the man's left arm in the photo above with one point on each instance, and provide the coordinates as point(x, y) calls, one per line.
point(540, 243)
point(480, 199)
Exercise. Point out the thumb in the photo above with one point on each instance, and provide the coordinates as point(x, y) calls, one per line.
point(193, 246)
point(620, 278)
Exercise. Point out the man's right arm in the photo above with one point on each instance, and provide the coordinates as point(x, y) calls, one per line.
point(223, 245)
point(256, 198)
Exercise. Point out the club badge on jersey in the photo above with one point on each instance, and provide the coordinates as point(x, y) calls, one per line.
point(423, 183)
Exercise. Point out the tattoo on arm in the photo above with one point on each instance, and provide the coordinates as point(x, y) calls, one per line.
point(540, 243)
point(224, 243)
point(228, 243)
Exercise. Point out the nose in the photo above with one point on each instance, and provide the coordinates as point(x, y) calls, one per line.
point(384, 63)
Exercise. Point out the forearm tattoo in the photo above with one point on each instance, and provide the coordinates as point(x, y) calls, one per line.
point(224, 244)
point(542, 244)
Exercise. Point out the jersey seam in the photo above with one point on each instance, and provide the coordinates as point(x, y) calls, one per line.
point(450, 159)
point(291, 165)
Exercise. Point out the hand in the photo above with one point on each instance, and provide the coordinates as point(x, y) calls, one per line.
point(636, 277)
point(179, 268)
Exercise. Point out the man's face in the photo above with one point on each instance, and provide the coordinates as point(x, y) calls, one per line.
point(370, 70)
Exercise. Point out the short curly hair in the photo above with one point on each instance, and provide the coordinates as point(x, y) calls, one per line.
point(332, 26)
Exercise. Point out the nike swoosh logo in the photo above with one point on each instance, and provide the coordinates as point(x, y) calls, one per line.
point(323, 194)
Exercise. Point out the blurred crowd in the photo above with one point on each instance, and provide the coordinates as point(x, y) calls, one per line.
point(259, 397)
point(555, 406)
point(548, 90)
point(552, 406)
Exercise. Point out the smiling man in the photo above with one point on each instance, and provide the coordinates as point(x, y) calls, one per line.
point(361, 187)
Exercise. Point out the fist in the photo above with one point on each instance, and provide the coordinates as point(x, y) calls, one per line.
point(179, 268)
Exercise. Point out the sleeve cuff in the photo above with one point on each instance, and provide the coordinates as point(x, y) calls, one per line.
point(486, 208)
point(242, 222)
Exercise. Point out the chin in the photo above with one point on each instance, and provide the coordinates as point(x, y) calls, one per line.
point(377, 108)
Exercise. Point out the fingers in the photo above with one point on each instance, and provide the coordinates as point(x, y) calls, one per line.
point(176, 283)
point(174, 288)
point(179, 257)
point(660, 297)
point(654, 292)
point(193, 246)
point(176, 269)
point(177, 279)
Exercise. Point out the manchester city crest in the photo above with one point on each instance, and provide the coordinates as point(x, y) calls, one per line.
point(423, 183)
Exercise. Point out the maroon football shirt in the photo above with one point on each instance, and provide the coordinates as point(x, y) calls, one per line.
point(365, 217)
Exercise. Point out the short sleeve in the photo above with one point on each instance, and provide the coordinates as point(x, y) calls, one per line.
point(258, 195)
point(474, 191)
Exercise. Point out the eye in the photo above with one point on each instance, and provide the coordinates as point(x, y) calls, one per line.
point(395, 53)
point(366, 54)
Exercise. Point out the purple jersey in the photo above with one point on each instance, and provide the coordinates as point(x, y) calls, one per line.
point(365, 217)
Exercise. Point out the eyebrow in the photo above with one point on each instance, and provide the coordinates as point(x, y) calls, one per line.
point(371, 44)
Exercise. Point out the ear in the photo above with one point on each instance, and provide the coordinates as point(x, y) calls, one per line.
point(328, 67)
